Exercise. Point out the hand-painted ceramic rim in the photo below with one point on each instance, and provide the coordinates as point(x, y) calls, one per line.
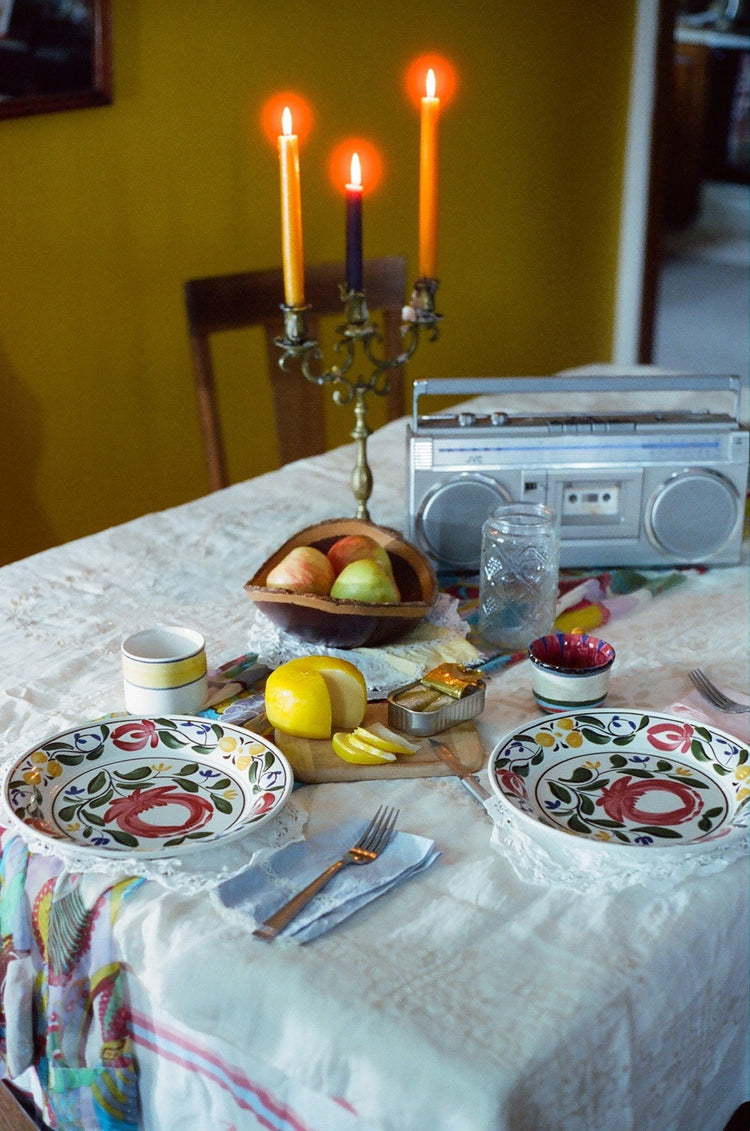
point(575, 654)
point(626, 778)
point(147, 786)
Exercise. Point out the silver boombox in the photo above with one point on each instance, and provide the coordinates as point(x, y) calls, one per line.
point(631, 488)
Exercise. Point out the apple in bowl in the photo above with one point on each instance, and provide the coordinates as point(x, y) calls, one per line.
point(367, 614)
point(304, 569)
point(358, 547)
point(355, 568)
point(365, 580)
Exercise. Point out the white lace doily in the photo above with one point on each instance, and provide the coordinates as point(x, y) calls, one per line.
point(198, 870)
point(587, 869)
point(384, 668)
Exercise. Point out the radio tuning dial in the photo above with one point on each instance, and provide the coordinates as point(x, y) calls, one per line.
point(466, 419)
point(498, 418)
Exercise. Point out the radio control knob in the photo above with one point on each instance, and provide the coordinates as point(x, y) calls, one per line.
point(498, 418)
point(466, 419)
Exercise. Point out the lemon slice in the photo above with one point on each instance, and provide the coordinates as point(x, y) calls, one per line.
point(360, 752)
point(384, 739)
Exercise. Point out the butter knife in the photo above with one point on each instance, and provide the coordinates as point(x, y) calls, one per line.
point(492, 805)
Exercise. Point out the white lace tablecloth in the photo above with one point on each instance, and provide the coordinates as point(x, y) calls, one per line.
point(500, 990)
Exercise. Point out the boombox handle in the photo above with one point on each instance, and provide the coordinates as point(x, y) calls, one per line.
point(580, 383)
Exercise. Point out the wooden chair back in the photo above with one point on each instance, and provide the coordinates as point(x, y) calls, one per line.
point(253, 298)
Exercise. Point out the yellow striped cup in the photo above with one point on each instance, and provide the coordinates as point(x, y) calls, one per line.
point(164, 671)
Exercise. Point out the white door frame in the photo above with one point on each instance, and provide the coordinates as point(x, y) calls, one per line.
point(631, 264)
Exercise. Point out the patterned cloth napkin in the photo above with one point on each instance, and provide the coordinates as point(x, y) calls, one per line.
point(587, 601)
point(58, 961)
point(264, 887)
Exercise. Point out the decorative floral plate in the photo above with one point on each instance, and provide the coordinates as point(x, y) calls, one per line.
point(150, 787)
point(625, 778)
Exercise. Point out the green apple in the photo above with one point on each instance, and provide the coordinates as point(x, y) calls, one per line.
point(365, 580)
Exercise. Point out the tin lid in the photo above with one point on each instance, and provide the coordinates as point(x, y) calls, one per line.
point(424, 708)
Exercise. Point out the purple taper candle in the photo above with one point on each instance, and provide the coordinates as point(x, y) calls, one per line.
point(354, 228)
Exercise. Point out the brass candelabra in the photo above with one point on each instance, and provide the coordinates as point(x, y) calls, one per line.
point(300, 349)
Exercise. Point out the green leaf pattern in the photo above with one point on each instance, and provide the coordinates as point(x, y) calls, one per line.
point(65, 786)
point(626, 777)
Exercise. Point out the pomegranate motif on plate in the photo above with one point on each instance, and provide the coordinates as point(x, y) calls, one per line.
point(148, 785)
point(625, 777)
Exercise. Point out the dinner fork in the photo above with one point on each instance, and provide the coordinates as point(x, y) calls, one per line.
point(714, 695)
point(369, 846)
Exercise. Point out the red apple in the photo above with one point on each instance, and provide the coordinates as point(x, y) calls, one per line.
point(303, 570)
point(355, 547)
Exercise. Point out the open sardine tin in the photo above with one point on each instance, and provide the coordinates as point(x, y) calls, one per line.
point(446, 696)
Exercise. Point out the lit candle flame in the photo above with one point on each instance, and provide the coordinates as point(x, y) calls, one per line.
point(430, 83)
point(356, 171)
point(286, 122)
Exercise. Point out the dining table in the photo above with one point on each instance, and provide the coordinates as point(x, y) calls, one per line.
point(517, 979)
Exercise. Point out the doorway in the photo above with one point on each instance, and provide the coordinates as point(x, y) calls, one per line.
point(682, 292)
point(701, 318)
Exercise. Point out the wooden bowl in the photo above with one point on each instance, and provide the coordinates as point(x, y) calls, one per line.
point(348, 624)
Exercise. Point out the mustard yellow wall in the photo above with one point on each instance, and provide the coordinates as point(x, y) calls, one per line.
point(106, 211)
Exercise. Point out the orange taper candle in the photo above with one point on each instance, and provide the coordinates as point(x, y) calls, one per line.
point(428, 181)
point(291, 214)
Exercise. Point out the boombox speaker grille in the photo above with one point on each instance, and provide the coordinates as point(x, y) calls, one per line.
point(450, 519)
point(693, 514)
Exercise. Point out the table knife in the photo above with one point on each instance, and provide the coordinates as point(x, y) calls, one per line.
point(493, 805)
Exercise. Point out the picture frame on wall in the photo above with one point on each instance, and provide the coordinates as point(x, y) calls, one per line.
point(54, 55)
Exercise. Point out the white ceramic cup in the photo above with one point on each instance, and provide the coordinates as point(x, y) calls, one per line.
point(164, 671)
point(570, 671)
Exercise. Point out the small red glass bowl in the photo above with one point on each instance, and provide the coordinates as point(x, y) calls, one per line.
point(570, 670)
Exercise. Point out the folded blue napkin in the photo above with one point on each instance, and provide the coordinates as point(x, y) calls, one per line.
point(262, 888)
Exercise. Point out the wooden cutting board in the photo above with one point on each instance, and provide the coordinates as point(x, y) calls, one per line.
point(313, 760)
